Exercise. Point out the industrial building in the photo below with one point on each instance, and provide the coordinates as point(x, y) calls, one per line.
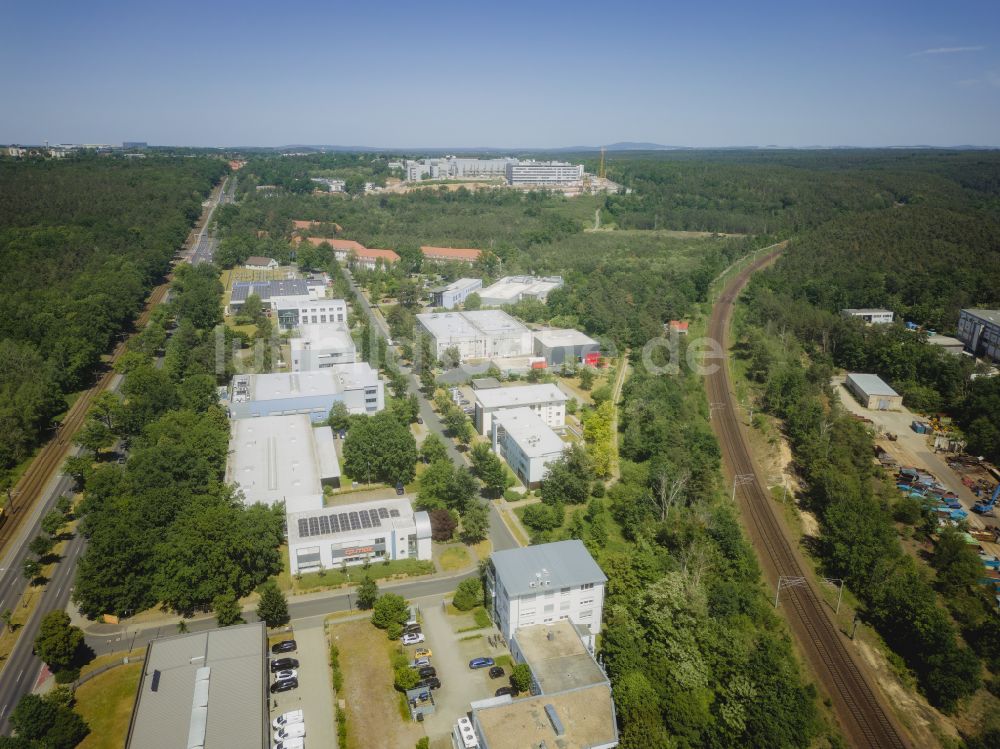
point(480, 334)
point(979, 330)
point(282, 459)
point(544, 173)
point(512, 289)
point(455, 293)
point(870, 316)
point(527, 443)
point(322, 346)
point(544, 584)
point(546, 400)
point(265, 290)
point(946, 342)
point(256, 262)
point(566, 346)
point(450, 254)
point(872, 392)
point(351, 534)
point(357, 385)
point(203, 690)
point(293, 311)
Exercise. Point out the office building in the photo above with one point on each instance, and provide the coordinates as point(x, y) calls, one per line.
point(293, 312)
point(544, 173)
point(313, 393)
point(265, 290)
point(872, 392)
point(546, 400)
point(979, 330)
point(480, 334)
point(512, 289)
point(545, 584)
point(204, 690)
point(527, 443)
point(870, 316)
point(455, 293)
point(322, 346)
point(350, 534)
point(566, 346)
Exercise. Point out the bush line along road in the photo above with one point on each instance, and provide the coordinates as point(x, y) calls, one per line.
point(863, 717)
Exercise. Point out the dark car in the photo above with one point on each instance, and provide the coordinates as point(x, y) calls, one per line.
point(432, 682)
point(480, 662)
point(285, 646)
point(505, 690)
point(284, 685)
point(399, 488)
point(411, 629)
point(496, 672)
point(426, 672)
point(280, 664)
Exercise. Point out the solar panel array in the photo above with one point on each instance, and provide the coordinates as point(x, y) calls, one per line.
point(344, 522)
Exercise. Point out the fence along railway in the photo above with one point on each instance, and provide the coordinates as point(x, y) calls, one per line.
point(863, 718)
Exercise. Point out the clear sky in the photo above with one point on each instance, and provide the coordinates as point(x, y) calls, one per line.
point(505, 73)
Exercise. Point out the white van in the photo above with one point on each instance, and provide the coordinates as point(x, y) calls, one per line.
point(291, 744)
point(289, 718)
point(293, 731)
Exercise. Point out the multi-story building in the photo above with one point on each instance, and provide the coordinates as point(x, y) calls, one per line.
point(322, 346)
point(512, 289)
point(527, 443)
point(352, 534)
point(546, 400)
point(455, 293)
point(292, 312)
point(979, 330)
point(566, 346)
point(870, 316)
point(480, 334)
point(542, 173)
point(313, 393)
point(544, 584)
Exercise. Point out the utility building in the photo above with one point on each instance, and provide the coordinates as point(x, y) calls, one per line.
point(546, 400)
point(312, 393)
point(870, 316)
point(322, 346)
point(455, 293)
point(872, 392)
point(512, 289)
point(527, 443)
point(566, 346)
point(979, 330)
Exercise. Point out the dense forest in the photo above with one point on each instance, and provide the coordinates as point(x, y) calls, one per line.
point(82, 242)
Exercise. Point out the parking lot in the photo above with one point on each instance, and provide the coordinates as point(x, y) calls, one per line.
point(314, 695)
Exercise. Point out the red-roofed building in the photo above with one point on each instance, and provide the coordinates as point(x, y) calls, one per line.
point(367, 257)
point(338, 245)
point(678, 326)
point(300, 225)
point(445, 254)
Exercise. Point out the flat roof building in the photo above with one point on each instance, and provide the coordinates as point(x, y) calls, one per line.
point(290, 287)
point(282, 459)
point(291, 312)
point(526, 442)
point(949, 344)
point(512, 289)
point(546, 400)
point(560, 346)
point(312, 393)
point(455, 293)
point(870, 316)
point(322, 346)
point(480, 334)
point(872, 392)
point(203, 690)
point(541, 173)
point(979, 330)
point(350, 534)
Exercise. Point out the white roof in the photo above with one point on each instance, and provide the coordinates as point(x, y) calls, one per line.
point(334, 336)
point(535, 438)
point(509, 288)
point(520, 395)
point(872, 384)
point(393, 514)
point(449, 326)
point(463, 283)
point(557, 338)
point(493, 321)
point(330, 381)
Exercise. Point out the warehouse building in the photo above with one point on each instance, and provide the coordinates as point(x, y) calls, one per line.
point(872, 392)
point(946, 342)
point(203, 690)
point(512, 289)
point(351, 534)
point(322, 346)
point(481, 334)
point(450, 254)
point(291, 312)
point(527, 443)
point(979, 330)
point(455, 293)
point(870, 316)
point(566, 346)
point(542, 173)
point(313, 393)
point(546, 400)
point(276, 459)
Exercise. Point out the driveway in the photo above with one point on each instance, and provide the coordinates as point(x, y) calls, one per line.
point(314, 695)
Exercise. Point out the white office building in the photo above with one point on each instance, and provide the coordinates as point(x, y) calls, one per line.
point(481, 334)
point(512, 289)
point(546, 400)
point(542, 173)
point(291, 312)
point(527, 443)
point(282, 459)
point(545, 584)
point(350, 534)
point(322, 346)
point(870, 316)
point(455, 293)
point(313, 393)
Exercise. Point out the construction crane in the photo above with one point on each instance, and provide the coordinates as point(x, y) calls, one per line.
point(986, 507)
point(601, 170)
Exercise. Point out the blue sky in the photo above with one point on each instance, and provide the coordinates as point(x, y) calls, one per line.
point(505, 74)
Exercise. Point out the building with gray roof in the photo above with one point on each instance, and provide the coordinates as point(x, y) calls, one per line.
point(873, 392)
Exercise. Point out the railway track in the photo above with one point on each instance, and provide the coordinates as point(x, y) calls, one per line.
point(863, 718)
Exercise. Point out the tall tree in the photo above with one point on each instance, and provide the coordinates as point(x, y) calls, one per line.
point(272, 608)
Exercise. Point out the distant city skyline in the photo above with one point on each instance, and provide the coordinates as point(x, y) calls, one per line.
point(408, 77)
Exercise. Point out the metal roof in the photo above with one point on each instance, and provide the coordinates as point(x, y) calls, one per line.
point(519, 395)
point(989, 315)
point(564, 564)
point(872, 384)
point(556, 338)
point(533, 436)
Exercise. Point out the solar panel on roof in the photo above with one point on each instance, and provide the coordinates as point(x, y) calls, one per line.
point(345, 524)
point(382, 512)
point(376, 520)
point(324, 524)
point(355, 521)
point(313, 527)
point(303, 528)
point(394, 513)
point(366, 521)
point(334, 525)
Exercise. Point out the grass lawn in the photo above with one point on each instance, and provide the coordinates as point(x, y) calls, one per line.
point(333, 578)
point(105, 702)
point(103, 660)
point(453, 558)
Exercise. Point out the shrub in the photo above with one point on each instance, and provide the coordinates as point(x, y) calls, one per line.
point(468, 595)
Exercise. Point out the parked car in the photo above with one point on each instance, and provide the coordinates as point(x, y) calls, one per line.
point(420, 419)
point(431, 682)
point(481, 662)
point(285, 646)
point(427, 671)
point(288, 673)
point(291, 744)
point(496, 672)
point(280, 664)
point(422, 653)
point(294, 731)
point(413, 638)
point(399, 488)
point(284, 685)
point(287, 719)
point(505, 690)
point(420, 662)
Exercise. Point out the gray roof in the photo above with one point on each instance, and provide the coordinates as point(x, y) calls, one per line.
point(872, 384)
point(226, 709)
point(564, 563)
point(267, 289)
point(989, 315)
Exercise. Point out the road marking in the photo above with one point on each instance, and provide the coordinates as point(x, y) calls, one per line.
point(18, 679)
point(3, 711)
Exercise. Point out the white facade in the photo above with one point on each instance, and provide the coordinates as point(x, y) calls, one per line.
point(349, 534)
point(546, 583)
point(870, 316)
point(481, 334)
point(291, 312)
point(527, 443)
point(546, 400)
point(512, 289)
point(455, 293)
point(544, 173)
point(322, 346)
point(313, 393)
